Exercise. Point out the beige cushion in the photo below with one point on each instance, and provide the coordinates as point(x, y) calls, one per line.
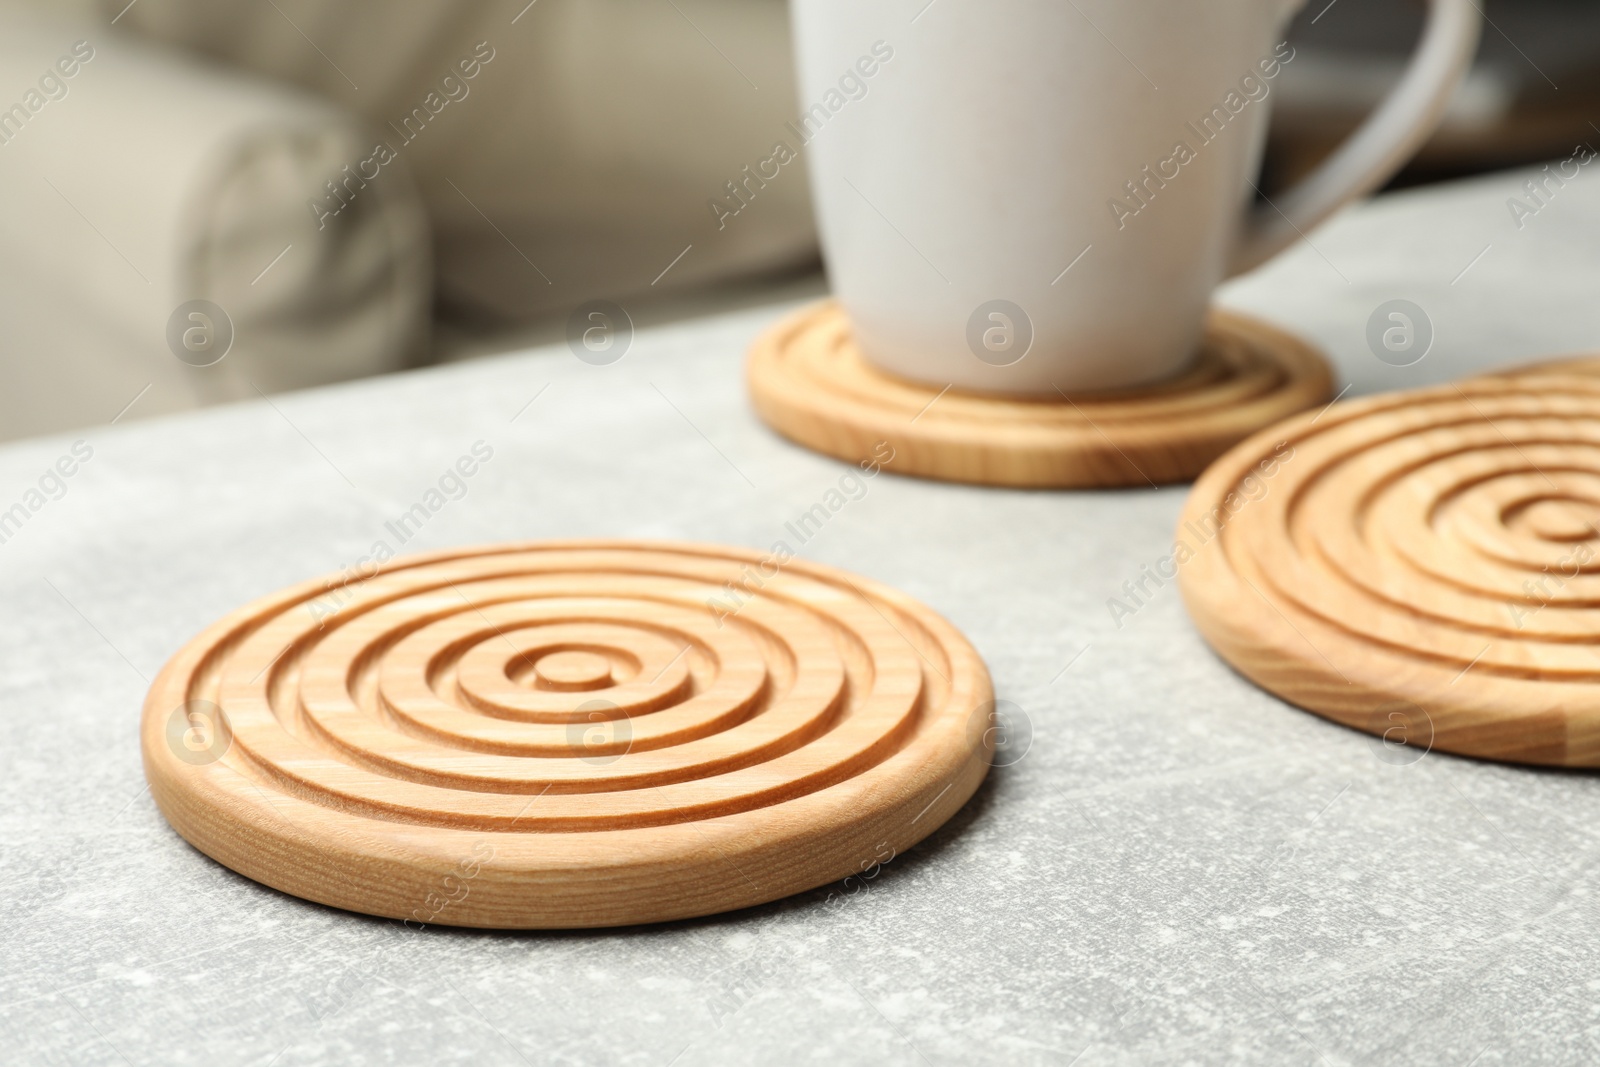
point(156, 179)
point(584, 152)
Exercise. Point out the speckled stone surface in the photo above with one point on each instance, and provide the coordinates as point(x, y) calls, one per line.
point(1173, 867)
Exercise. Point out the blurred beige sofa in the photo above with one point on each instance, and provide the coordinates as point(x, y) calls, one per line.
point(328, 175)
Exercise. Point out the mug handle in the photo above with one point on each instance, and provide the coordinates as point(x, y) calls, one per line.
point(1382, 144)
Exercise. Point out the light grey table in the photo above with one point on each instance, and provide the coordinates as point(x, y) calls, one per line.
point(1181, 869)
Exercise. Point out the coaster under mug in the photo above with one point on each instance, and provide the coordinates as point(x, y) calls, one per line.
point(809, 381)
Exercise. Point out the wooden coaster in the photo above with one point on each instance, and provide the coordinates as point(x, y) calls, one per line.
point(1421, 565)
point(809, 383)
point(568, 734)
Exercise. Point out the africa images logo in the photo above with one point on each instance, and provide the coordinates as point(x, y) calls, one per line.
point(1142, 189)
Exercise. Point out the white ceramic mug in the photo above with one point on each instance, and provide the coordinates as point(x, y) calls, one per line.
point(1021, 196)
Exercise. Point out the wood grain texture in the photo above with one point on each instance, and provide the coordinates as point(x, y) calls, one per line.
point(809, 382)
point(568, 734)
point(1422, 565)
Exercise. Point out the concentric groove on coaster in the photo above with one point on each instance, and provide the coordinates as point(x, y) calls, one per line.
point(1422, 565)
point(810, 383)
point(568, 734)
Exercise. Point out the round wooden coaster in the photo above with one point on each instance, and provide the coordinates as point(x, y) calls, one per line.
point(1422, 565)
point(809, 382)
point(568, 734)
